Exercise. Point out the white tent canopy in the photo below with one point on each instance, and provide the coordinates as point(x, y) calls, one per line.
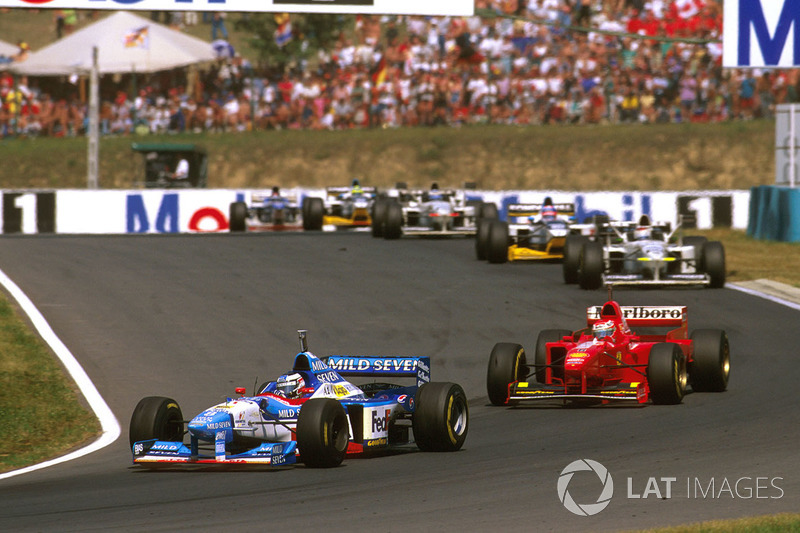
point(8, 49)
point(125, 42)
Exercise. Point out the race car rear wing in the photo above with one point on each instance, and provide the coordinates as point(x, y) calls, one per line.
point(334, 191)
point(641, 315)
point(532, 210)
point(381, 366)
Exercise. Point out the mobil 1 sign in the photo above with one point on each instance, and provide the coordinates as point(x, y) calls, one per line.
point(144, 211)
point(761, 33)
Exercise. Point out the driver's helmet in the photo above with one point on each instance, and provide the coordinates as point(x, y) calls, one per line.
point(435, 193)
point(356, 187)
point(548, 212)
point(276, 191)
point(290, 385)
point(603, 329)
point(641, 233)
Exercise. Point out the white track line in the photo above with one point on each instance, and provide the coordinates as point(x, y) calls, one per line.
point(108, 421)
point(764, 295)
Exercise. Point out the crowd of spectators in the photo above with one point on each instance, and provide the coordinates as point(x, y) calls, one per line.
point(548, 62)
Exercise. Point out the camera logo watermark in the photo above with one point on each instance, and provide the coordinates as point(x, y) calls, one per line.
point(586, 509)
point(666, 488)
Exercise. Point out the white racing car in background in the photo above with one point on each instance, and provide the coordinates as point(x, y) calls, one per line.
point(428, 213)
point(649, 254)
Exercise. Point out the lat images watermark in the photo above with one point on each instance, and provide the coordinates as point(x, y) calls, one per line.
point(743, 488)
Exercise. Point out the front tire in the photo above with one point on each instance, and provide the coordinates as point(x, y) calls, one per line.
point(441, 417)
point(590, 273)
point(482, 239)
point(557, 367)
point(238, 217)
point(322, 433)
point(711, 364)
point(666, 374)
point(507, 364)
point(156, 417)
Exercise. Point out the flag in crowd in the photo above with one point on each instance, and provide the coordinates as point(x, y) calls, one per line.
point(138, 38)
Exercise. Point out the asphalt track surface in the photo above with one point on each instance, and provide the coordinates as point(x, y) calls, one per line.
point(194, 316)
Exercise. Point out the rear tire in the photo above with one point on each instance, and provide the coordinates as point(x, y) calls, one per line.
point(666, 374)
point(488, 211)
point(441, 417)
point(572, 257)
point(497, 242)
point(711, 364)
point(545, 336)
point(393, 221)
point(313, 215)
point(322, 433)
point(378, 217)
point(156, 417)
point(714, 263)
point(507, 364)
point(238, 217)
point(590, 273)
point(482, 239)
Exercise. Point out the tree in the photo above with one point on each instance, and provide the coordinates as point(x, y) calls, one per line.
point(309, 34)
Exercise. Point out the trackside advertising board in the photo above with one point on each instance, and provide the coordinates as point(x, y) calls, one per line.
point(207, 210)
point(761, 33)
point(399, 7)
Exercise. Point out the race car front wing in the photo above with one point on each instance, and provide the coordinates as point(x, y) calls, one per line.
point(524, 391)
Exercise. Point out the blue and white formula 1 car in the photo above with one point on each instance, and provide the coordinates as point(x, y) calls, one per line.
point(312, 415)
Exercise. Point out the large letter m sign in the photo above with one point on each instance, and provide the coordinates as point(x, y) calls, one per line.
point(756, 33)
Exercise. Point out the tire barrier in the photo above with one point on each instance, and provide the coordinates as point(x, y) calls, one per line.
point(774, 213)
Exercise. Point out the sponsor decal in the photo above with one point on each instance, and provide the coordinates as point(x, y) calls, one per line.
point(373, 443)
point(380, 424)
point(643, 312)
point(329, 377)
point(339, 390)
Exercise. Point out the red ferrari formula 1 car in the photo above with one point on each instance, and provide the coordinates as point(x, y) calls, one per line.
point(608, 362)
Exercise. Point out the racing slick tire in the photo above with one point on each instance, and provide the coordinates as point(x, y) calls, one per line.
point(313, 214)
point(238, 216)
point(507, 364)
point(711, 364)
point(322, 433)
point(540, 358)
point(714, 263)
point(666, 374)
point(590, 271)
point(393, 221)
point(378, 216)
point(482, 239)
point(156, 417)
point(488, 211)
point(441, 417)
point(497, 242)
point(572, 257)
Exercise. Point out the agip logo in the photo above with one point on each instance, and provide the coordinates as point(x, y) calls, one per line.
point(585, 509)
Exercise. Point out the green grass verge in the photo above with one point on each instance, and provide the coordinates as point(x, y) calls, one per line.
point(42, 414)
point(779, 523)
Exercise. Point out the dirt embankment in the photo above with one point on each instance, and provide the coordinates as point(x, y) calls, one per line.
point(632, 157)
